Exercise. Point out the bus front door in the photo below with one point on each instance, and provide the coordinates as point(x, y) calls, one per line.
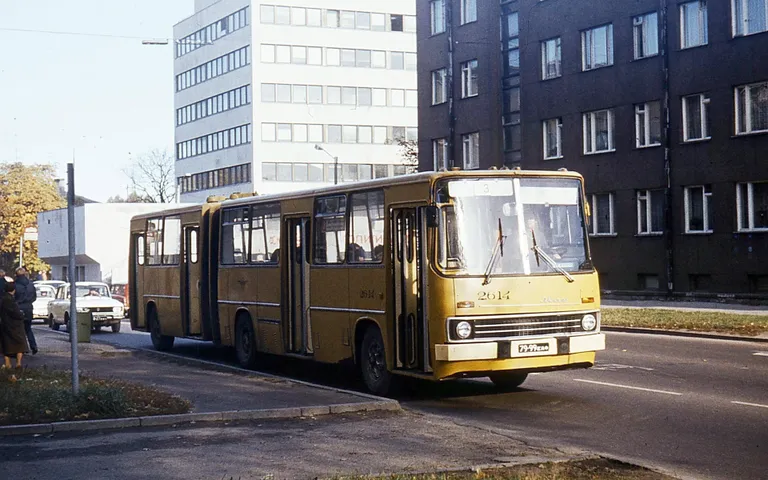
point(191, 308)
point(408, 261)
point(299, 332)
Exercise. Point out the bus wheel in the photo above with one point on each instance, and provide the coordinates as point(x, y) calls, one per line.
point(508, 380)
point(52, 323)
point(373, 362)
point(159, 341)
point(245, 343)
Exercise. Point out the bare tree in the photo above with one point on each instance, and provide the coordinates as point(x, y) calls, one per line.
point(409, 152)
point(152, 176)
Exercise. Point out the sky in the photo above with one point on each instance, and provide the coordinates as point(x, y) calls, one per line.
point(97, 99)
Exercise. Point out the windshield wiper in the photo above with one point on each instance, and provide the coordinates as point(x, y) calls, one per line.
point(498, 252)
point(540, 253)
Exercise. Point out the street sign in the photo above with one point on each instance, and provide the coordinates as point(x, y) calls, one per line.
point(30, 234)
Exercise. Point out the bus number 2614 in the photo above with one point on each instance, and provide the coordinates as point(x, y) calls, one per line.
point(496, 295)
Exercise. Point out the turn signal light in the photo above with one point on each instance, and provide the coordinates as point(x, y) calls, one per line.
point(587, 299)
point(465, 304)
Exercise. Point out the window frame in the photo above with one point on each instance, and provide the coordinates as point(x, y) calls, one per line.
point(442, 73)
point(745, 20)
point(469, 70)
point(558, 50)
point(590, 117)
point(640, 34)
point(468, 11)
point(609, 47)
point(748, 108)
point(558, 138)
point(750, 205)
point(595, 212)
point(706, 197)
point(703, 20)
point(470, 151)
point(342, 253)
point(440, 145)
point(434, 27)
point(644, 110)
point(647, 195)
point(351, 230)
point(703, 100)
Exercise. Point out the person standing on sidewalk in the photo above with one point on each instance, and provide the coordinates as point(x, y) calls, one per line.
point(25, 297)
point(2, 281)
point(13, 341)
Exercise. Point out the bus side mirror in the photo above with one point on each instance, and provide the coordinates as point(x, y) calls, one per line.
point(431, 214)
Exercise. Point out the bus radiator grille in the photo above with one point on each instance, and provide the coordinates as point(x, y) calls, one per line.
point(527, 327)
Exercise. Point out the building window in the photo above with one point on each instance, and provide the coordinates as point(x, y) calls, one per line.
point(650, 212)
point(597, 47)
point(439, 90)
point(602, 214)
point(696, 117)
point(551, 58)
point(552, 138)
point(752, 108)
point(693, 24)
point(471, 151)
point(437, 16)
point(749, 16)
point(440, 154)
point(698, 209)
point(598, 131)
point(469, 79)
point(648, 124)
point(468, 11)
point(646, 35)
point(752, 206)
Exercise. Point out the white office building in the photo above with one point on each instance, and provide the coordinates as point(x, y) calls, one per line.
point(269, 95)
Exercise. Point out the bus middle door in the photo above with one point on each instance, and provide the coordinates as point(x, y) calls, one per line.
point(299, 333)
point(410, 320)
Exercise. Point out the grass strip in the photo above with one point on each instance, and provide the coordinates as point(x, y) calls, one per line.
point(698, 321)
point(597, 468)
point(44, 395)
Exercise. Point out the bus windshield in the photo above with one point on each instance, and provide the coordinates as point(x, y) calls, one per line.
point(523, 226)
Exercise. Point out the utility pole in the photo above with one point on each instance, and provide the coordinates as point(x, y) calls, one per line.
point(72, 325)
point(669, 237)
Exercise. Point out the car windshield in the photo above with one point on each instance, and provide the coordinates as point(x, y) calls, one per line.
point(92, 291)
point(45, 292)
point(516, 226)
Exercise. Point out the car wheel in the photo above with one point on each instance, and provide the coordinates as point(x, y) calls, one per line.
point(245, 343)
point(116, 328)
point(161, 342)
point(52, 323)
point(508, 380)
point(373, 363)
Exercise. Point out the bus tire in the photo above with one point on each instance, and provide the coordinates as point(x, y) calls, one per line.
point(161, 342)
point(245, 342)
point(373, 362)
point(508, 380)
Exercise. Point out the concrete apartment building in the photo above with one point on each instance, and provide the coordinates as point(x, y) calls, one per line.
point(259, 85)
point(661, 105)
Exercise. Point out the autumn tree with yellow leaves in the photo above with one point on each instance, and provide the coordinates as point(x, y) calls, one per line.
point(25, 191)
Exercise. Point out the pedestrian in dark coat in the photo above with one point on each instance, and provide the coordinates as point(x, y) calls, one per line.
point(2, 281)
point(13, 340)
point(25, 297)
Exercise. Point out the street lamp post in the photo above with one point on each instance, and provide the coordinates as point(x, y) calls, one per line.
point(335, 164)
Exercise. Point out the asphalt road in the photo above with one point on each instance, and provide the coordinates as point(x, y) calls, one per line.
point(695, 408)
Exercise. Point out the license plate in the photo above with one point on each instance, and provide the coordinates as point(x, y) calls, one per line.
point(534, 348)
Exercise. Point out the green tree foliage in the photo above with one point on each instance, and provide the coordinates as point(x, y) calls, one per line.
point(25, 191)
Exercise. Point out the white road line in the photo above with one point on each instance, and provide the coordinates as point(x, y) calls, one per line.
point(749, 404)
point(761, 354)
point(619, 366)
point(626, 386)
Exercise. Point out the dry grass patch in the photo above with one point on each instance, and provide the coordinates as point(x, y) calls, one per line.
point(597, 468)
point(699, 321)
point(43, 395)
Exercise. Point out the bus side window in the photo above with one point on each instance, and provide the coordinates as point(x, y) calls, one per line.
point(140, 249)
point(330, 230)
point(366, 235)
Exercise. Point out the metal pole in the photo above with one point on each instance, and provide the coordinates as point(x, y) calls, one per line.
point(72, 326)
point(451, 157)
point(21, 251)
point(335, 170)
point(669, 221)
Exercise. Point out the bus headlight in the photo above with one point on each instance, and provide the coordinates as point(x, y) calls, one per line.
point(463, 330)
point(588, 322)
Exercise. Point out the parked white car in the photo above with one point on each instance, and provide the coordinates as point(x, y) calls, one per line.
point(92, 297)
point(45, 294)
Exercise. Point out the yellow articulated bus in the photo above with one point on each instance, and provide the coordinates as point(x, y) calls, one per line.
point(432, 275)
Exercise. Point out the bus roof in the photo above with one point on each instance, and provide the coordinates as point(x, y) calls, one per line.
point(368, 184)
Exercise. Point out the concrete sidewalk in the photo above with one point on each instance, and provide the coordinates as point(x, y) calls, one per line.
point(688, 306)
point(215, 392)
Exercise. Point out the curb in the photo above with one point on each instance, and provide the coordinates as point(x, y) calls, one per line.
point(684, 333)
point(191, 418)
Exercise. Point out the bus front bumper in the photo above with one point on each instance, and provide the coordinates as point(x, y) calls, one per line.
point(513, 349)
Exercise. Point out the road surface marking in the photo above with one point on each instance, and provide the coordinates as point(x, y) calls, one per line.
point(761, 354)
point(618, 366)
point(626, 386)
point(749, 404)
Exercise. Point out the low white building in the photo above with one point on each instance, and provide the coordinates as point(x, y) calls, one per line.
point(102, 233)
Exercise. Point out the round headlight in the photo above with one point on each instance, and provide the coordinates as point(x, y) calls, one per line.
point(463, 330)
point(117, 309)
point(82, 310)
point(588, 322)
